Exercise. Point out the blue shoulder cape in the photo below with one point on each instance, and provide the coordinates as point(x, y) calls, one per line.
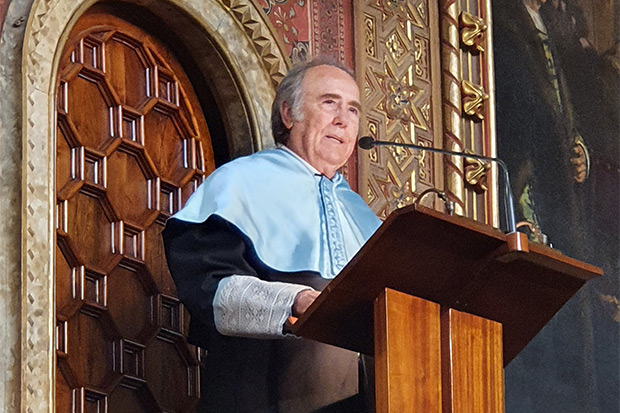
point(294, 217)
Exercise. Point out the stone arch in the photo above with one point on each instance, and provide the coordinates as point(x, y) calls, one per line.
point(230, 40)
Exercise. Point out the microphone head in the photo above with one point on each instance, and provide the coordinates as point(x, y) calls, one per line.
point(366, 142)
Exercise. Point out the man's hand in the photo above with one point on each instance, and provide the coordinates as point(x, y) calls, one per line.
point(303, 299)
point(579, 161)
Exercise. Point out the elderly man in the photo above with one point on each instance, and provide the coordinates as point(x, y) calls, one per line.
point(260, 238)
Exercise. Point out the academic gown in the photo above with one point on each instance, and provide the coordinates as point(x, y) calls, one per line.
point(269, 216)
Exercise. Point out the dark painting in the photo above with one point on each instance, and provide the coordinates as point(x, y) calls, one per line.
point(557, 69)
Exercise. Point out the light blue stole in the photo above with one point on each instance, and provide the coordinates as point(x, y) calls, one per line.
point(296, 219)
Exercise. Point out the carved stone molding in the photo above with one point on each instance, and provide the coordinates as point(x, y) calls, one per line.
point(247, 47)
point(261, 32)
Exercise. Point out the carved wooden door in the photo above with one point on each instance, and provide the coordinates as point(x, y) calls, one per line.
point(132, 145)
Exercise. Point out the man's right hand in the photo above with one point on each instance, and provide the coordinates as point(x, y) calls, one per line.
point(303, 299)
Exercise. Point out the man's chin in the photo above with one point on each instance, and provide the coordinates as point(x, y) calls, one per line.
point(339, 163)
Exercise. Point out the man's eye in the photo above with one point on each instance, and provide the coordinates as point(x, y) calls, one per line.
point(353, 111)
point(329, 101)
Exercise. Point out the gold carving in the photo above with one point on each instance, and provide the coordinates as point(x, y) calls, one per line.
point(422, 163)
point(402, 195)
point(476, 174)
point(420, 46)
point(399, 98)
point(426, 111)
point(372, 128)
point(369, 36)
point(370, 195)
point(395, 46)
point(402, 99)
point(421, 10)
point(474, 97)
point(399, 154)
point(451, 65)
point(467, 109)
point(372, 154)
point(393, 3)
point(473, 30)
point(396, 60)
point(402, 156)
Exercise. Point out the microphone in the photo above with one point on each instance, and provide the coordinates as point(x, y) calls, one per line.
point(367, 142)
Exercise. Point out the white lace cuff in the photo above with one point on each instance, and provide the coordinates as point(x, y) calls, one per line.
point(245, 306)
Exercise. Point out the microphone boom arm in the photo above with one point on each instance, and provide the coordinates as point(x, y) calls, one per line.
point(367, 142)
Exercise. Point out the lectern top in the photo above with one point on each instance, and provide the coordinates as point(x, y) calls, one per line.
point(455, 262)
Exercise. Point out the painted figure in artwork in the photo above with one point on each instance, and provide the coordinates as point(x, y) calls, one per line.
point(538, 136)
point(558, 130)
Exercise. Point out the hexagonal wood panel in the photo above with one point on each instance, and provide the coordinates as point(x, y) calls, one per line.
point(131, 145)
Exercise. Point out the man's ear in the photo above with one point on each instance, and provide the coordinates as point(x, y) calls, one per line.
point(286, 112)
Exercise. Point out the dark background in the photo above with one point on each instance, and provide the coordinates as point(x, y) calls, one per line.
point(573, 365)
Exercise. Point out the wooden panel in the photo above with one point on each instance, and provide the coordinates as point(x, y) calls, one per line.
point(472, 370)
point(407, 354)
point(132, 145)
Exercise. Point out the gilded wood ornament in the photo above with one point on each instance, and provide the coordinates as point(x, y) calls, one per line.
point(474, 98)
point(451, 74)
point(468, 104)
point(370, 40)
point(473, 30)
point(476, 174)
point(395, 67)
point(419, 93)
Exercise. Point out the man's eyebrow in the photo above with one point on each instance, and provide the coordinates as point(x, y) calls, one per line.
point(353, 103)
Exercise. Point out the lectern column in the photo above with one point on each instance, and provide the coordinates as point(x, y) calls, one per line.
point(435, 361)
point(473, 366)
point(407, 354)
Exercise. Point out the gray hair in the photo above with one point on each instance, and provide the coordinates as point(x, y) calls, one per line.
point(289, 91)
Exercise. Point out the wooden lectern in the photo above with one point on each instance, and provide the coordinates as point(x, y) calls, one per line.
point(443, 303)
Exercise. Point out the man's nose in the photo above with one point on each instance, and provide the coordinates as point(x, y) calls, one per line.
point(340, 118)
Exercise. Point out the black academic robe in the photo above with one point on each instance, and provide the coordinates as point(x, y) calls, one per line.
point(244, 374)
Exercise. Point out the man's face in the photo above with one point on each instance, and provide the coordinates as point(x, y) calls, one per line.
point(330, 109)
